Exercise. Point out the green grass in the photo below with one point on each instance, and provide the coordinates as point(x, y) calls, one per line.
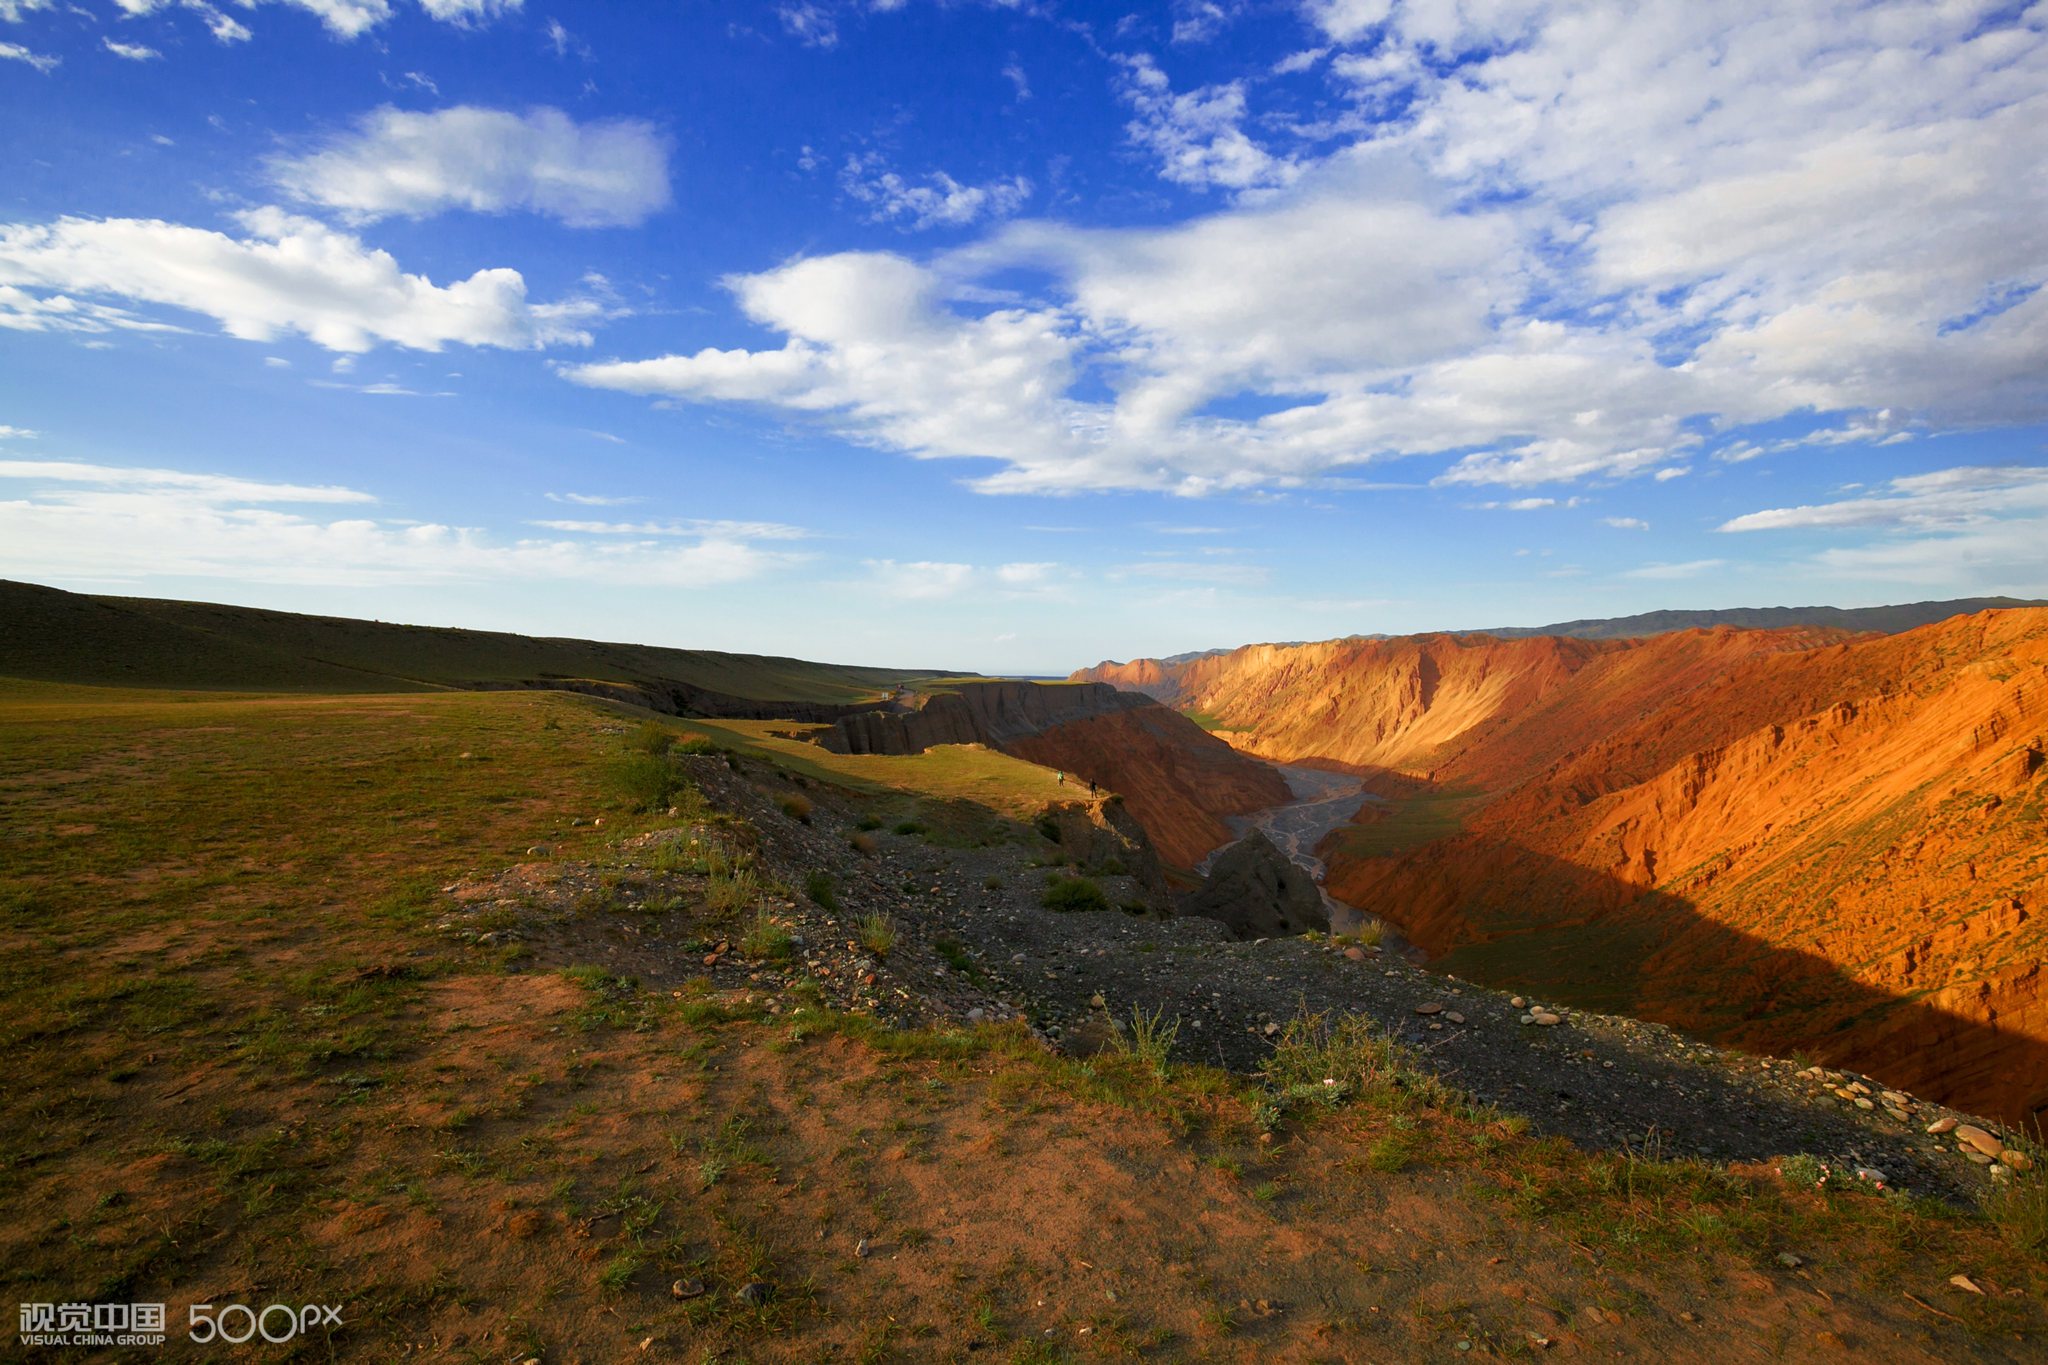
point(1073, 894)
point(1407, 822)
point(145, 642)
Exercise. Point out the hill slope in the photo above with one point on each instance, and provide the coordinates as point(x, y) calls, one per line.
point(1161, 678)
point(1789, 839)
point(57, 636)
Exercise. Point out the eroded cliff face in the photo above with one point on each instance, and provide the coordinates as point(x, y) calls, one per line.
point(1839, 850)
point(1177, 780)
point(1457, 709)
point(1787, 840)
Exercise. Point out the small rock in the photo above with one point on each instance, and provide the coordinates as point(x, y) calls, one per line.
point(1454, 1017)
point(1790, 1261)
point(1871, 1174)
point(1519, 1003)
point(975, 1016)
point(1270, 1029)
point(1431, 1008)
point(1987, 1143)
point(1528, 1018)
point(1980, 1158)
point(755, 1293)
point(860, 1248)
point(1862, 1103)
point(1998, 1172)
point(1098, 1002)
point(1545, 1018)
point(686, 1289)
point(711, 959)
point(1893, 1098)
point(1942, 1125)
point(539, 851)
point(2019, 1161)
point(1355, 954)
point(1688, 1317)
point(647, 1343)
point(1965, 1283)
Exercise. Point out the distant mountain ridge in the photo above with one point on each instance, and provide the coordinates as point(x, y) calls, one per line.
point(51, 635)
point(1883, 620)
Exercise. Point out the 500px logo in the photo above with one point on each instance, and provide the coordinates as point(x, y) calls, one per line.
point(295, 1321)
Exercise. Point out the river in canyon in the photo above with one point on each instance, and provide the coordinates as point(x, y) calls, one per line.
point(1322, 802)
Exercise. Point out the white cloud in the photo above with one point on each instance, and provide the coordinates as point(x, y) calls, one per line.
point(1564, 242)
point(1627, 523)
point(466, 13)
point(1973, 528)
point(8, 433)
point(1345, 20)
point(207, 487)
point(929, 580)
point(134, 52)
point(289, 275)
point(489, 161)
point(13, 10)
point(592, 499)
point(810, 24)
point(1197, 136)
point(100, 522)
point(941, 201)
point(729, 530)
point(1690, 569)
point(1947, 499)
point(15, 52)
point(922, 580)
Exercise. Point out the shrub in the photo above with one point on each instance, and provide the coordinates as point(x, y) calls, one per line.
point(863, 844)
point(1150, 1040)
point(869, 822)
point(2019, 1207)
point(818, 886)
point(877, 934)
point(1049, 827)
point(698, 744)
point(1370, 933)
point(910, 827)
point(795, 807)
point(652, 738)
point(1073, 894)
point(766, 939)
point(644, 781)
point(733, 886)
point(992, 884)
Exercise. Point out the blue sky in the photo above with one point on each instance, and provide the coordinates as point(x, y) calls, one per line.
point(1014, 336)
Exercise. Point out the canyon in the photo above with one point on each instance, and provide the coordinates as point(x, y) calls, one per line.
point(1791, 840)
point(1178, 781)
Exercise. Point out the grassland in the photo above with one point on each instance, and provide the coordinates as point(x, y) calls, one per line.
point(955, 772)
point(146, 642)
point(1404, 822)
point(234, 1069)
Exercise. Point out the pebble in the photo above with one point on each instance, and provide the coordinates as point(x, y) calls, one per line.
point(755, 1293)
point(1430, 1008)
point(686, 1289)
point(1943, 1125)
point(1355, 954)
point(976, 1015)
point(1519, 1003)
point(2019, 1161)
point(1544, 1018)
point(1790, 1261)
point(1454, 1017)
point(1965, 1283)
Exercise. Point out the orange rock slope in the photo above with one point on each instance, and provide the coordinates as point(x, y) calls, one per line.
point(1787, 840)
point(1176, 780)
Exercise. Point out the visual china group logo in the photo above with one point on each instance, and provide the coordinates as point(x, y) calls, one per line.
point(143, 1324)
point(92, 1324)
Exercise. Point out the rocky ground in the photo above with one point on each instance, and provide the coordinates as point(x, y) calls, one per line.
point(972, 942)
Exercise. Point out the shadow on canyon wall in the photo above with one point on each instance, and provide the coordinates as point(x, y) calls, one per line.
point(1582, 937)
